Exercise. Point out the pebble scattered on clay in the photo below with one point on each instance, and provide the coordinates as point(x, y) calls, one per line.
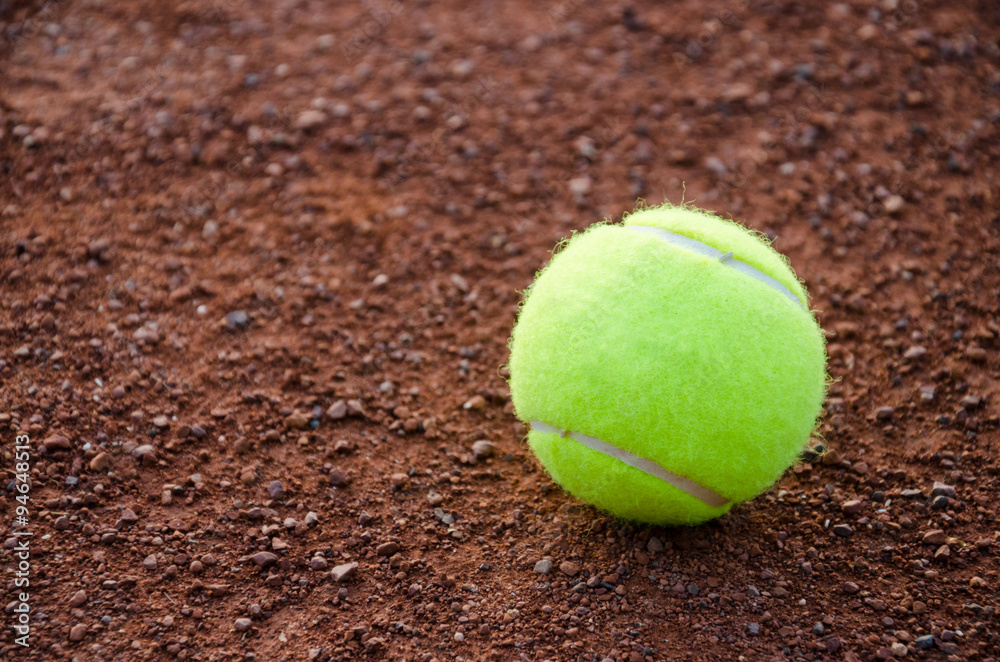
point(259, 272)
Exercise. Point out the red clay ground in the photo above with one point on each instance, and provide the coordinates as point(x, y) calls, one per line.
point(364, 191)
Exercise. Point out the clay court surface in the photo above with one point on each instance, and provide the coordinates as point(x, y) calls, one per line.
point(260, 262)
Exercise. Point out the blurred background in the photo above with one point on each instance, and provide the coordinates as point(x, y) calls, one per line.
point(260, 261)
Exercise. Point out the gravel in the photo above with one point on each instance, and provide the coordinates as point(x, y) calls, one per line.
point(238, 319)
point(259, 279)
point(264, 559)
point(342, 573)
point(483, 450)
point(843, 530)
point(544, 566)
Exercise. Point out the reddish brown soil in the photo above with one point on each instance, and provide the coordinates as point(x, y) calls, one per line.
point(374, 201)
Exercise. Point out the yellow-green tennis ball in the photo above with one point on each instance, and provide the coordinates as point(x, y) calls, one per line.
point(668, 367)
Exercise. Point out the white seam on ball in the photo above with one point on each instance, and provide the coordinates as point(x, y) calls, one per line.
point(727, 259)
point(686, 485)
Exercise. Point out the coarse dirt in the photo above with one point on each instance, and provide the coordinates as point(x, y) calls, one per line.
point(260, 261)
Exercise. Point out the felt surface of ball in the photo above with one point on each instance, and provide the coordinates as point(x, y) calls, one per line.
point(672, 359)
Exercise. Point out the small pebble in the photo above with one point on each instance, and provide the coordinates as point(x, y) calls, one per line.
point(569, 568)
point(853, 507)
point(843, 530)
point(941, 489)
point(475, 402)
point(310, 119)
point(483, 449)
point(939, 502)
point(342, 573)
point(264, 559)
point(338, 478)
point(238, 319)
point(935, 537)
point(100, 462)
point(543, 567)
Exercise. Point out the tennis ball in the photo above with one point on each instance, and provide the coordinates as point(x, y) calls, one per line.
point(668, 367)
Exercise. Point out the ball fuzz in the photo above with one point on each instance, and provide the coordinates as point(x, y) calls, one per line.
point(668, 367)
